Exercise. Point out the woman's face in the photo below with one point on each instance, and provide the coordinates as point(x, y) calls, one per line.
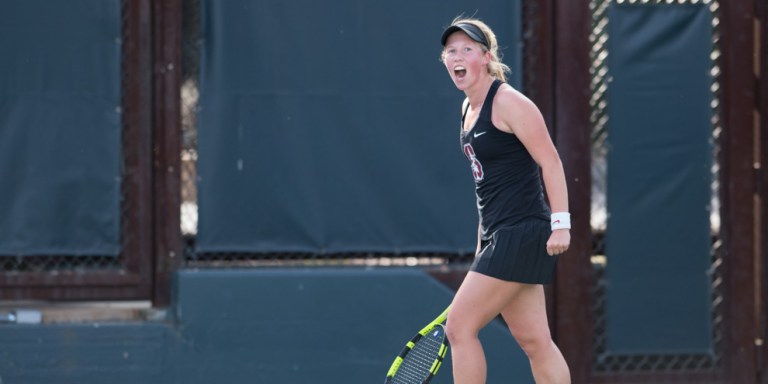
point(465, 60)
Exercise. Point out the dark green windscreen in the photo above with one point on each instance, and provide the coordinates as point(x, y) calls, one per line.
point(659, 180)
point(60, 127)
point(335, 128)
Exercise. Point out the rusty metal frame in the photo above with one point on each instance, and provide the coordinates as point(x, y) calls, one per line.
point(738, 189)
point(167, 147)
point(562, 54)
point(133, 279)
point(761, 32)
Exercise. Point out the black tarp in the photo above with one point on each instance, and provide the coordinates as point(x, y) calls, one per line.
point(60, 127)
point(659, 181)
point(335, 128)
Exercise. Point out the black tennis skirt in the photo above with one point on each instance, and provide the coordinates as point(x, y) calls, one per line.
point(518, 253)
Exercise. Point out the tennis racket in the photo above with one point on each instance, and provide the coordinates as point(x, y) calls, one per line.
point(422, 356)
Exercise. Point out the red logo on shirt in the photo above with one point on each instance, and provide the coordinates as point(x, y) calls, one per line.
point(477, 168)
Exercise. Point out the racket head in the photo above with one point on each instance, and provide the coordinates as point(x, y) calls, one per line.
point(421, 358)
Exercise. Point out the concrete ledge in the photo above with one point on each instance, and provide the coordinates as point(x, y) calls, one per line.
point(83, 312)
point(300, 325)
point(286, 325)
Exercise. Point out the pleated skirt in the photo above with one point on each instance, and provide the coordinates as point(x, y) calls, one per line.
point(518, 253)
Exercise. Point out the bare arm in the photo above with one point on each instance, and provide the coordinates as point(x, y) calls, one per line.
point(515, 113)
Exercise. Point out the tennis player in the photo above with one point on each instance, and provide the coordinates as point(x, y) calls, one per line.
point(509, 150)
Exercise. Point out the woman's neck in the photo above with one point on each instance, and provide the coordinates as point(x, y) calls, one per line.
point(476, 94)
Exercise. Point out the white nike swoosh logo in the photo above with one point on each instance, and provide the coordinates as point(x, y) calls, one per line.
point(478, 134)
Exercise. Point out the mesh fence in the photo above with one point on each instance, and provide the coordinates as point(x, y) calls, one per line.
point(47, 263)
point(604, 361)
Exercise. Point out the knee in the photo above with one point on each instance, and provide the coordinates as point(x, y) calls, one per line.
point(534, 345)
point(459, 330)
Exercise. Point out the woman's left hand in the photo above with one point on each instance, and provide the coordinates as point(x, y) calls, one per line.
point(558, 242)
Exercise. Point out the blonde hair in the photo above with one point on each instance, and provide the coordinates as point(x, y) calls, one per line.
point(496, 68)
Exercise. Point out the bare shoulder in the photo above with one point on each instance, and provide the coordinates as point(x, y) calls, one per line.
point(511, 107)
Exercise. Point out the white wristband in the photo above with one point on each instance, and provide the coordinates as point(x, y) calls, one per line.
point(561, 220)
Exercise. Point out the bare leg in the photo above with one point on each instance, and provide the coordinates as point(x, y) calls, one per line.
point(526, 317)
point(479, 300)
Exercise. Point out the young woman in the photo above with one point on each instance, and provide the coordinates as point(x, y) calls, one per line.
point(506, 142)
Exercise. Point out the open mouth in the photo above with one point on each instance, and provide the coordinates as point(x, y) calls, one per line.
point(459, 71)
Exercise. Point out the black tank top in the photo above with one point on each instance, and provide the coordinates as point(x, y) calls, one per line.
point(507, 181)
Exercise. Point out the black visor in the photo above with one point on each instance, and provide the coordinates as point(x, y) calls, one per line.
point(473, 31)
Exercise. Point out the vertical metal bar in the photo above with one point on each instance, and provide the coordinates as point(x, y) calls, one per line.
point(538, 86)
point(167, 146)
point(738, 187)
point(762, 103)
point(572, 136)
point(137, 144)
point(538, 65)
